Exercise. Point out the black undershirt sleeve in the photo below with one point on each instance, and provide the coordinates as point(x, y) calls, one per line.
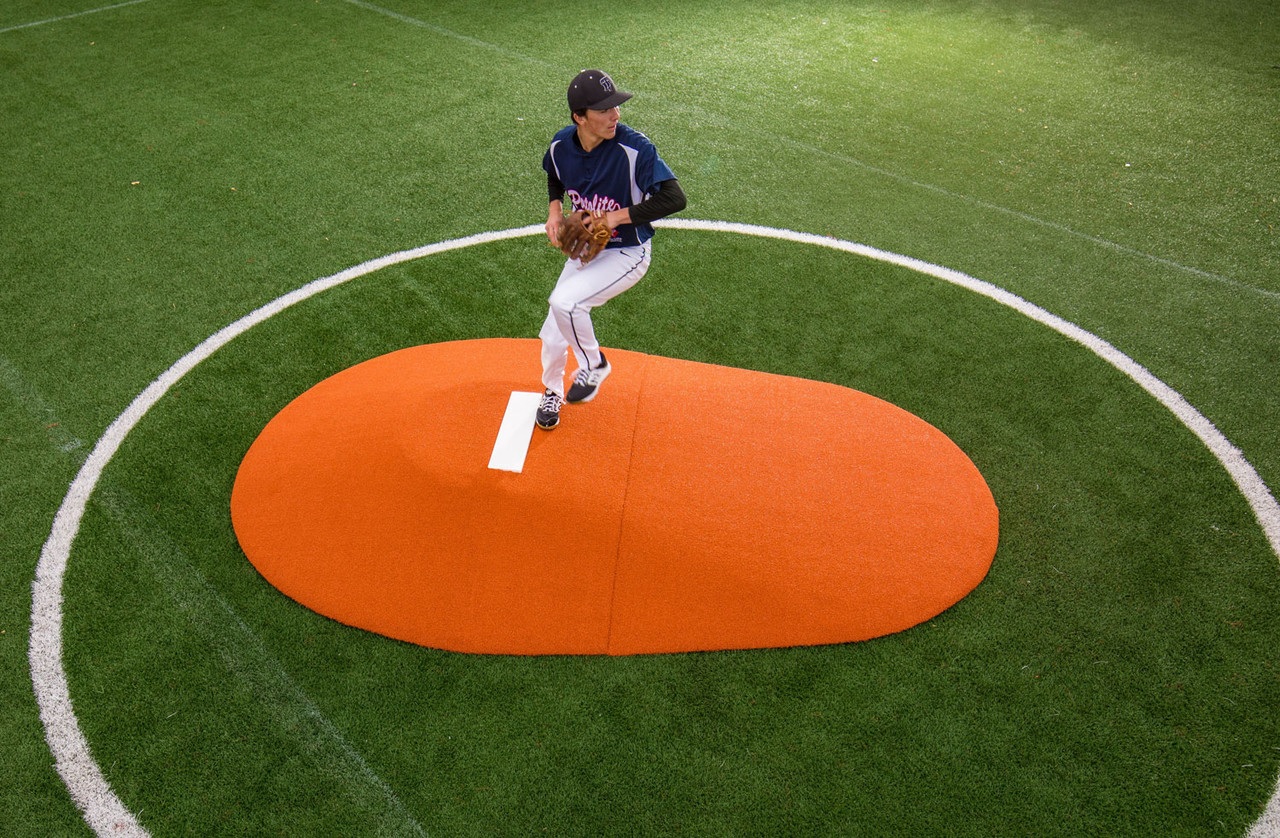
point(555, 189)
point(668, 199)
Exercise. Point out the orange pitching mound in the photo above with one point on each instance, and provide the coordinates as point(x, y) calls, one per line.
point(689, 507)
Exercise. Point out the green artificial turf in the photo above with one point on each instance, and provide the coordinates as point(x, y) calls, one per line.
point(169, 166)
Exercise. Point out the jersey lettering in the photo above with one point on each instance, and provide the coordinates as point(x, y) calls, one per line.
point(596, 203)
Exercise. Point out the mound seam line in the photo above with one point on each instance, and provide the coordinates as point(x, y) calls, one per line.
point(622, 518)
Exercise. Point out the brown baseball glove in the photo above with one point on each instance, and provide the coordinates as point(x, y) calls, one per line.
point(583, 235)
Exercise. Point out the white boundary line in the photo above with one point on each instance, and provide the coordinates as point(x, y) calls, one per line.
point(68, 17)
point(106, 814)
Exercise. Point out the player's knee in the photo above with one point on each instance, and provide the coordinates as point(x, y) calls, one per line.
point(562, 304)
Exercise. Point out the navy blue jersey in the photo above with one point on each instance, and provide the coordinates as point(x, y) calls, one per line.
point(620, 172)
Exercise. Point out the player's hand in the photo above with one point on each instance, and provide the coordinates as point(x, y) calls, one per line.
point(613, 219)
point(553, 231)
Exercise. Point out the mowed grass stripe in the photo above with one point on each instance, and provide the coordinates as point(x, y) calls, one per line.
point(460, 317)
point(294, 714)
point(719, 119)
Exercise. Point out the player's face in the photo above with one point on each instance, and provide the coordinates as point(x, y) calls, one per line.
point(600, 125)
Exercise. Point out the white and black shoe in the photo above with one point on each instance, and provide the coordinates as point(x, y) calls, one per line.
point(549, 410)
point(586, 383)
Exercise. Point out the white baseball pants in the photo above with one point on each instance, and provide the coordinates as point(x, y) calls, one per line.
point(580, 289)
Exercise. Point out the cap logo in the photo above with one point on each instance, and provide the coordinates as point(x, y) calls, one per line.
point(606, 83)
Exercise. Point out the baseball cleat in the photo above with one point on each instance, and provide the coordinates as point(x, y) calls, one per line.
point(586, 383)
point(548, 415)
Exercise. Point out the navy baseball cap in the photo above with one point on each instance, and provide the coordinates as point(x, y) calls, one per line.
point(594, 90)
